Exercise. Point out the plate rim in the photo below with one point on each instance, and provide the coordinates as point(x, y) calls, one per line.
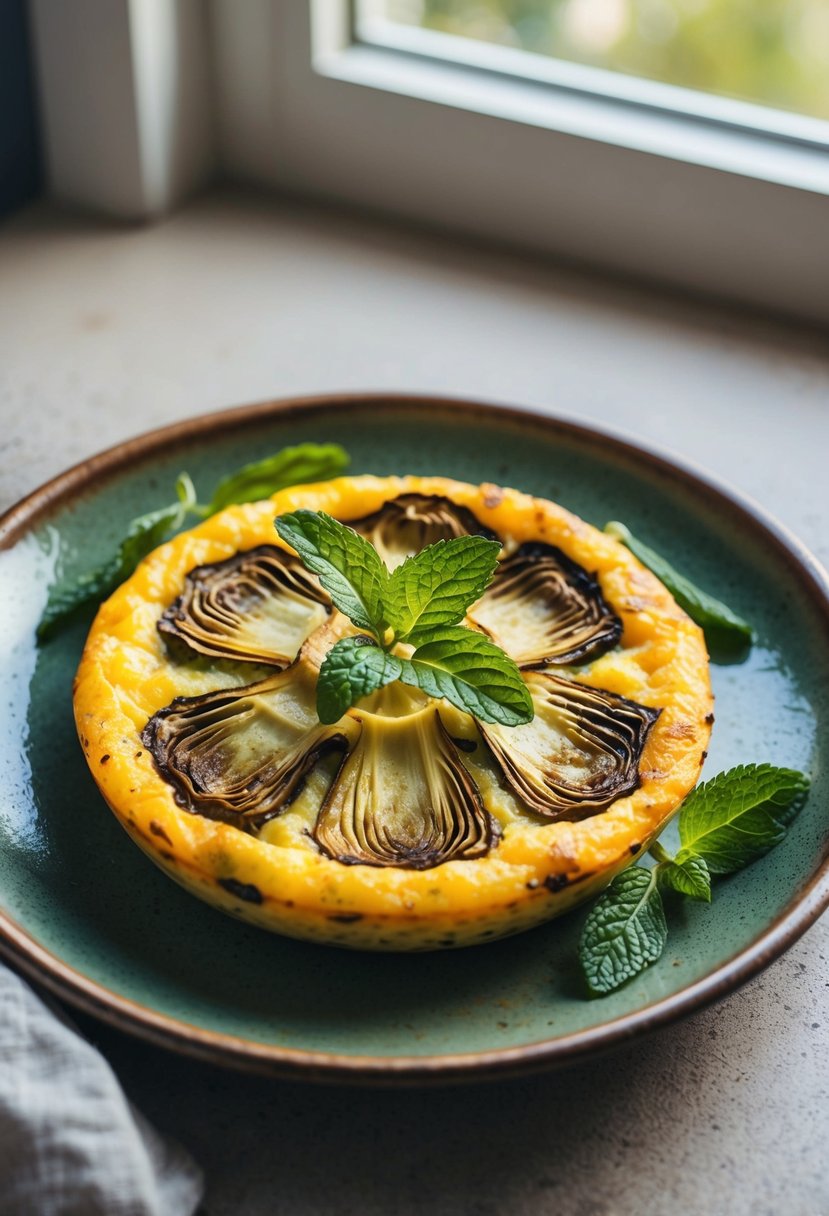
point(48, 969)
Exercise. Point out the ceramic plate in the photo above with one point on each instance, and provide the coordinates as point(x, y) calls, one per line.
point(83, 911)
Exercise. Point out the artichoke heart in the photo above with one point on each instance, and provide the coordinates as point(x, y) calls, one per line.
point(257, 606)
point(242, 754)
point(580, 752)
point(410, 522)
point(403, 798)
point(542, 608)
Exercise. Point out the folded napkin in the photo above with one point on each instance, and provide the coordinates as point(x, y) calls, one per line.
point(70, 1142)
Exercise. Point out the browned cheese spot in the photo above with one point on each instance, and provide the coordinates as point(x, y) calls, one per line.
point(158, 830)
point(556, 882)
point(243, 890)
point(681, 730)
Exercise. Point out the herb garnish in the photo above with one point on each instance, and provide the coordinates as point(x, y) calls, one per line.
point(724, 824)
point(723, 629)
point(306, 462)
point(290, 466)
point(419, 605)
point(143, 535)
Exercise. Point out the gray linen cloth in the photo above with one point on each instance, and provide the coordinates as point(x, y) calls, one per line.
point(70, 1143)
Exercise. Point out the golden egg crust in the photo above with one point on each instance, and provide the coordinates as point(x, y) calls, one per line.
point(279, 879)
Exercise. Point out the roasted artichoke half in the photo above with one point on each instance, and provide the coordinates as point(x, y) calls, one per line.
point(407, 824)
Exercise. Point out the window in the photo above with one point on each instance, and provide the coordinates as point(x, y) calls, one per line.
point(336, 100)
point(773, 52)
point(367, 102)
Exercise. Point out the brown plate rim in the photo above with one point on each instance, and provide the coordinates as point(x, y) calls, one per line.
point(48, 969)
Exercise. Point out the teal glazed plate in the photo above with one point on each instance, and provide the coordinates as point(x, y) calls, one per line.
point(85, 913)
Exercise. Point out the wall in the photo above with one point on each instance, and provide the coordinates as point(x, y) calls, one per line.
point(20, 166)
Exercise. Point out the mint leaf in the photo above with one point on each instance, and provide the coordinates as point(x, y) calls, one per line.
point(624, 932)
point(143, 535)
point(148, 531)
point(289, 467)
point(450, 661)
point(472, 673)
point(348, 567)
point(722, 627)
point(724, 824)
point(64, 602)
point(689, 877)
point(351, 670)
point(437, 585)
point(738, 816)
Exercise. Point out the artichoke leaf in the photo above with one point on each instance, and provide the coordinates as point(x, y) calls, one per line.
point(403, 798)
point(580, 752)
point(258, 606)
point(242, 754)
point(542, 608)
point(407, 524)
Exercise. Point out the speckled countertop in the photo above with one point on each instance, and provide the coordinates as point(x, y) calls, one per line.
point(105, 332)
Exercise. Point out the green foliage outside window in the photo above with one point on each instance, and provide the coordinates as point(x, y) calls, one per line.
point(775, 52)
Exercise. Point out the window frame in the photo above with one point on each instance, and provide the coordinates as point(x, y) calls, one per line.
point(124, 93)
point(280, 93)
point(671, 198)
point(368, 26)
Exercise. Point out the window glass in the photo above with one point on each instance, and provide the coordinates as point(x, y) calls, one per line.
point(775, 52)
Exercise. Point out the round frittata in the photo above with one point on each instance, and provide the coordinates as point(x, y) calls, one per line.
point(408, 824)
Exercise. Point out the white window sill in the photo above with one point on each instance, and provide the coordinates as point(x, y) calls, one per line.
point(107, 332)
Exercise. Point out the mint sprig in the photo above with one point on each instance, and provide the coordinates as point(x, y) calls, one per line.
point(436, 586)
point(724, 825)
point(291, 466)
point(625, 931)
point(144, 534)
point(348, 567)
point(352, 669)
point(688, 876)
point(472, 673)
point(730, 823)
point(419, 604)
point(723, 629)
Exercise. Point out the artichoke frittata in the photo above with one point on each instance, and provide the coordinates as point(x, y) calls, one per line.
point(407, 825)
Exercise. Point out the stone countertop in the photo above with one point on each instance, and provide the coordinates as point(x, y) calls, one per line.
point(108, 331)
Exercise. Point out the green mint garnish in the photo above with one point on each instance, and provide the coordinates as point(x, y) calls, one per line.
point(144, 534)
point(472, 673)
point(348, 567)
point(723, 629)
point(625, 931)
point(687, 876)
point(724, 825)
point(419, 604)
point(291, 466)
point(436, 586)
point(738, 816)
point(352, 669)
